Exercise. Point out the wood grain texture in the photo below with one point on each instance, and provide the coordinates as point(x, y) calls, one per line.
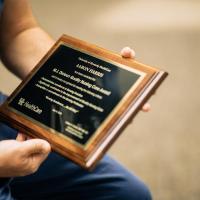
point(111, 128)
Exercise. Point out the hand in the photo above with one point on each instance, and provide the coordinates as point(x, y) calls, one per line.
point(22, 157)
point(127, 52)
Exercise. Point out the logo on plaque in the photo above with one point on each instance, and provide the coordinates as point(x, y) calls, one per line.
point(79, 98)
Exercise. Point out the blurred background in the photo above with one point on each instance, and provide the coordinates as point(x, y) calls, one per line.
point(161, 147)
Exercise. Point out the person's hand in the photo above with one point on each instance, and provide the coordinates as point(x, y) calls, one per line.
point(127, 52)
point(22, 157)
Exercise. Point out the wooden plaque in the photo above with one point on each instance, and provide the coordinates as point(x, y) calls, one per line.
point(79, 98)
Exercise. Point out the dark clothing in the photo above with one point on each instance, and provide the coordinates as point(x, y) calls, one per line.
point(60, 179)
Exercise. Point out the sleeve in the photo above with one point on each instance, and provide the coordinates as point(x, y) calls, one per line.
point(4, 182)
point(1, 5)
point(2, 98)
point(6, 132)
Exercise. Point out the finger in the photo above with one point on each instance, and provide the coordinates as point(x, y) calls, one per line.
point(127, 52)
point(28, 137)
point(37, 159)
point(146, 107)
point(21, 137)
point(33, 153)
point(36, 146)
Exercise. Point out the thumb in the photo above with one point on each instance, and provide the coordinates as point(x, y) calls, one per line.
point(36, 146)
point(34, 152)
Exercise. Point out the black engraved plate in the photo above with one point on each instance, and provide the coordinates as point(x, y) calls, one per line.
point(73, 93)
point(79, 98)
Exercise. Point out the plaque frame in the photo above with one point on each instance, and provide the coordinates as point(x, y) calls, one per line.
point(88, 156)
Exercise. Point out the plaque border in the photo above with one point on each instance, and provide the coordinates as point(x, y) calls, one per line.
point(126, 109)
